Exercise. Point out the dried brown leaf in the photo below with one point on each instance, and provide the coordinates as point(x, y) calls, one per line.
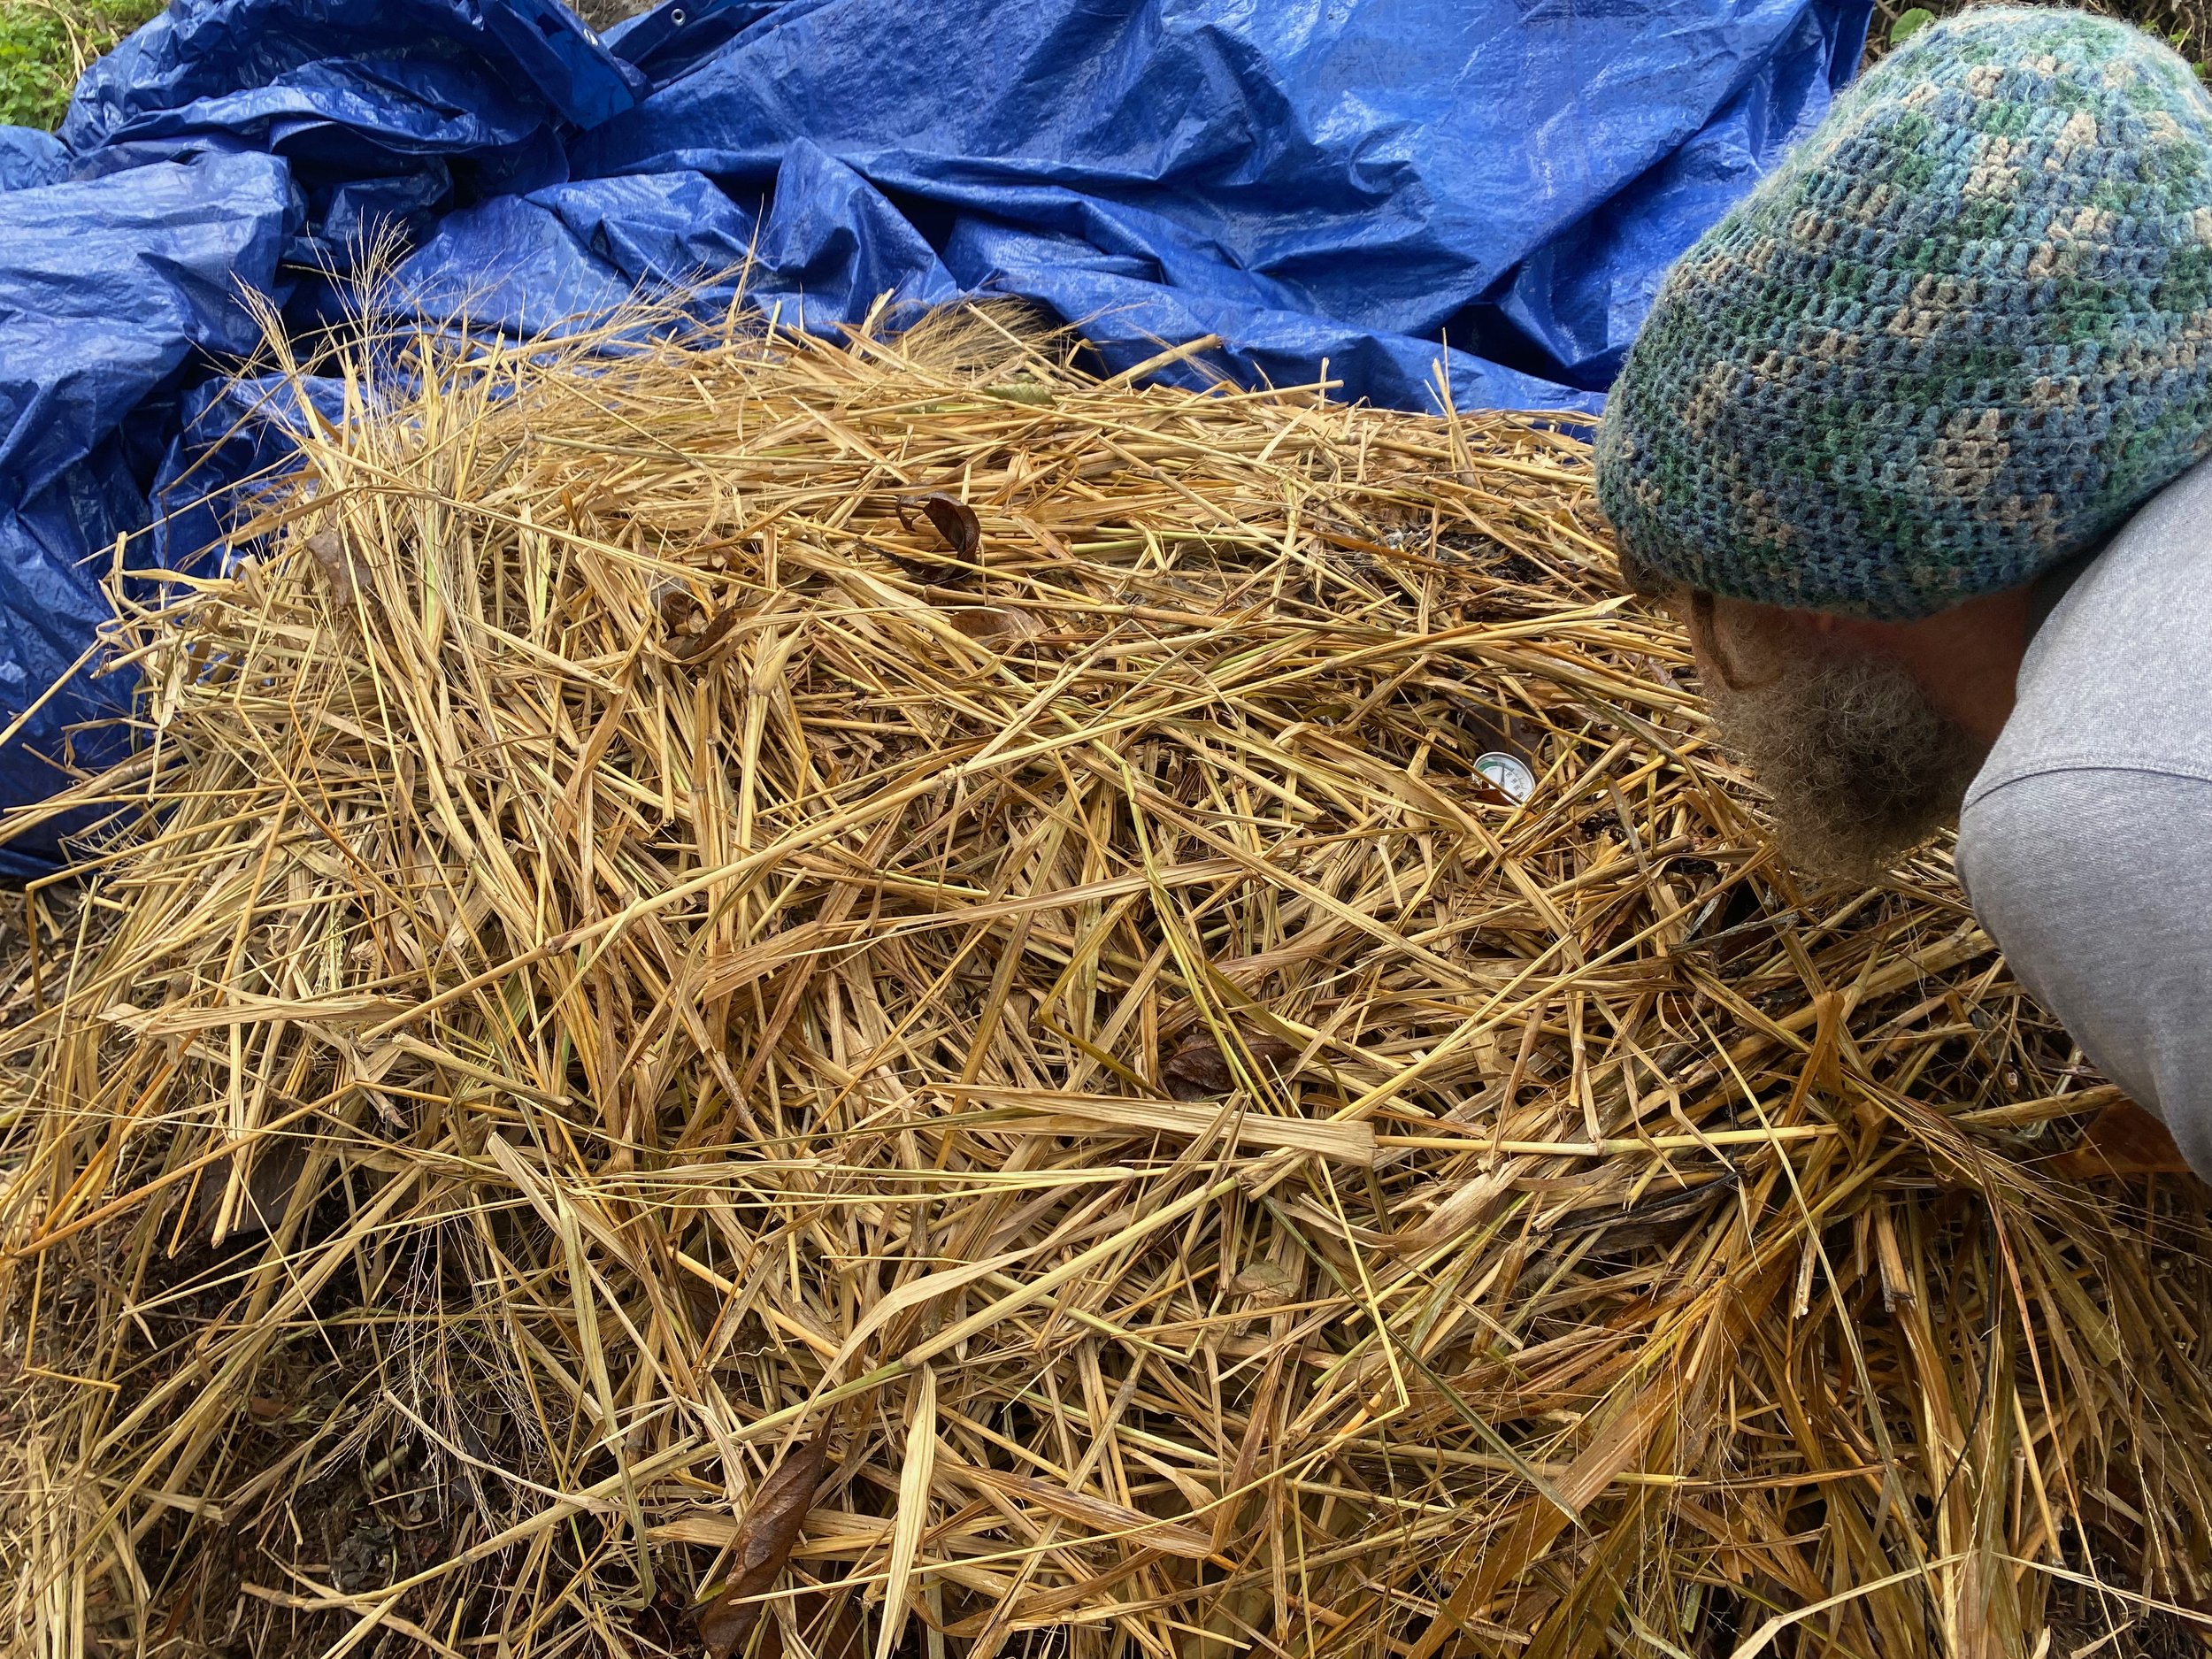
point(339, 565)
point(679, 607)
point(1199, 1069)
point(1265, 1281)
point(694, 647)
point(771, 1526)
point(955, 520)
point(994, 625)
point(2122, 1140)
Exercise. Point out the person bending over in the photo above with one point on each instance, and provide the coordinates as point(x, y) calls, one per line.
point(1913, 439)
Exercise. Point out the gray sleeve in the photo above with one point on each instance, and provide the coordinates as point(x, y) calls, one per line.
point(2097, 884)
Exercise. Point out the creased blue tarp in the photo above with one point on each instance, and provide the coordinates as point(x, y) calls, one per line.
point(1412, 194)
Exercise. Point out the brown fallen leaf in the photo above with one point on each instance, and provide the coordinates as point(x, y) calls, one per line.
point(1199, 1068)
point(335, 558)
point(1265, 1282)
point(276, 1168)
point(955, 520)
point(2121, 1139)
point(677, 607)
point(692, 630)
point(771, 1526)
point(993, 625)
point(691, 647)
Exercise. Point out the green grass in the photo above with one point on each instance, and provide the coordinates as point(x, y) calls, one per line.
point(2186, 24)
point(45, 45)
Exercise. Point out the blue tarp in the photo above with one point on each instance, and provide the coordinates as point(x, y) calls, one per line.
point(1374, 184)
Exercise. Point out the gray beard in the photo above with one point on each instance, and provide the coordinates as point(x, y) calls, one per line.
point(1861, 766)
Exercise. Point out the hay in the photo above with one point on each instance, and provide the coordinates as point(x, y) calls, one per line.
point(705, 907)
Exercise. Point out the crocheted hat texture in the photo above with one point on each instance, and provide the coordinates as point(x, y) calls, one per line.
point(1955, 339)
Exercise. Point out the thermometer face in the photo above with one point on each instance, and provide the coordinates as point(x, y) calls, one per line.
point(1509, 772)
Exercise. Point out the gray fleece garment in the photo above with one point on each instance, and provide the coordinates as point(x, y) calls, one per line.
point(2085, 844)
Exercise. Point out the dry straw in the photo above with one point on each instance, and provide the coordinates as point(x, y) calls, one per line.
point(901, 915)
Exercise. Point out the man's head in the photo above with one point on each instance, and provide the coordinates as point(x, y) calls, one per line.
point(1838, 721)
point(1960, 335)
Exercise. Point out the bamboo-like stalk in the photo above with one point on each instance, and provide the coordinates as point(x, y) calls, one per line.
point(627, 941)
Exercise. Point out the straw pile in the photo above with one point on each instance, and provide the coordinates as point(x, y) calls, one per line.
point(849, 1000)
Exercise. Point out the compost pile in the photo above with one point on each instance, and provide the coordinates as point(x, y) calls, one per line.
point(862, 999)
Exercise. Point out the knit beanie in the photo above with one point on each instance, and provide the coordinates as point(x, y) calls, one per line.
point(1953, 340)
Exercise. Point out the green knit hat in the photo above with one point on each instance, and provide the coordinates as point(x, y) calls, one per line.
point(1956, 338)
